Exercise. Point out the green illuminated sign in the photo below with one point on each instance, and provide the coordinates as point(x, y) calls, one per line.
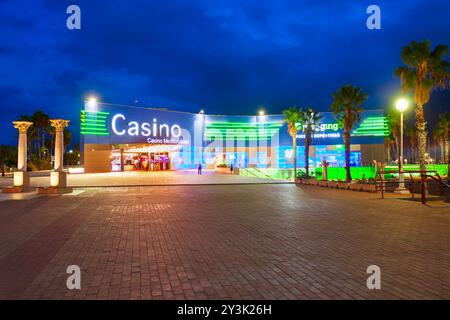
point(242, 130)
point(320, 127)
point(93, 123)
point(372, 126)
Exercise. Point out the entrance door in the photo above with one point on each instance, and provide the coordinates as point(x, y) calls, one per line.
point(159, 161)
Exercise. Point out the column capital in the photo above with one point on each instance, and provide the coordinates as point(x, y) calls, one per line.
point(59, 124)
point(22, 126)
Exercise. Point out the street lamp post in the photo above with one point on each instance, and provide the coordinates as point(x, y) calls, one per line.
point(401, 105)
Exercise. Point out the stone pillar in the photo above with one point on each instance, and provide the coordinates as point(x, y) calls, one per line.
point(22, 126)
point(325, 165)
point(21, 178)
point(58, 176)
point(59, 126)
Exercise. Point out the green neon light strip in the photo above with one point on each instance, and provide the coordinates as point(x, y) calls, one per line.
point(95, 133)
point(95, 112)
point(93, 117)
point(247, 139)
point(93, 125)
point(94, 130)
point(372, 126)
point(93, 121)
point(242, 125)
point(237, 135)
point(240, 132)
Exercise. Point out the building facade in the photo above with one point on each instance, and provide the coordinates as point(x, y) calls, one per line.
point(126, 138)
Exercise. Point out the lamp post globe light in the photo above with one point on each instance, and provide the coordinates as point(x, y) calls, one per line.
point(91, 103)
point(401, 105)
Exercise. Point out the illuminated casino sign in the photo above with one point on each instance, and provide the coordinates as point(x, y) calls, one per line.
point(136, 126)
point(154, 132)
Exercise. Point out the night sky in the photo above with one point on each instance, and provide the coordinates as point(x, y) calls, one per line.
point(228, 57)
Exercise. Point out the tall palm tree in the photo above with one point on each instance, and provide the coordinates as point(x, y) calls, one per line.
point(388, 140)
point(444, 123)
point(41, 121)
point(347, 107)
point(411, 132)
point(424, 71)
point(393, 118)
point(292, 117)
point(67, 137)
point(438, 134)
point(309, 120)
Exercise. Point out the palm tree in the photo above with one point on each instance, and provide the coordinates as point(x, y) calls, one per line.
point(388, 140)
point(41, 121)
point(292, 117)
point(444, 123)
point(347, 108)
point(309, 120)
point(411, 132)
point(424, 71)
point(393, 118)
point(67, 137)
point(8, 157)
point(438, 134)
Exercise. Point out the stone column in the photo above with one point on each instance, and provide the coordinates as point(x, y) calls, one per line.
point(58, 177)
point(21, 178)
point(22, 126)
point(59, 126)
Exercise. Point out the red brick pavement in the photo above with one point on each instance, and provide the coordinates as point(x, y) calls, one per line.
point(222, 242)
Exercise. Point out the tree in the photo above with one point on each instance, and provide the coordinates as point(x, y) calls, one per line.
point(411, 132)
point(347, 107)
point(438, 134)
point(41, 122)
point(8, 157)
point(394, 124)
point(424, 71)
point(67, 137)
point(309, 120)
point(444, 124)
point(292, 117)
point(388, 140)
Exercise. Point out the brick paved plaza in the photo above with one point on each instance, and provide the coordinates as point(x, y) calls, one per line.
point(256, 241)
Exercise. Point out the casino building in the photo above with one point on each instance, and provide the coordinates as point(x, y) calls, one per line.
point(128, 138)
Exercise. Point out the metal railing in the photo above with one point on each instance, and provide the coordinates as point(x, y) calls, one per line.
point(251, 171)
point(248, 172)
point(266, 176)
point(429, 180)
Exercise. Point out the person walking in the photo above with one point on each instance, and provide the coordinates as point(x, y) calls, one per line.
point(231, 168)
point(199, 169)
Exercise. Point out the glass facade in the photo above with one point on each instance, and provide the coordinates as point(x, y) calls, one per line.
point(146, 138)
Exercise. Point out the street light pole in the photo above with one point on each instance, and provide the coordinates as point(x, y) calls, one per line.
point(401, 184)
point(401, 106)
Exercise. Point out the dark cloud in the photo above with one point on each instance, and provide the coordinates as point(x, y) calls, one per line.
point(225, 56)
